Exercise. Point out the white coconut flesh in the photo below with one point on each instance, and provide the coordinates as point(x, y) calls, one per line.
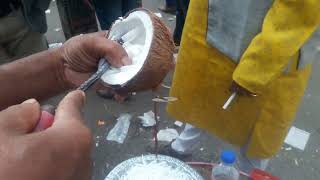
point(136, 32)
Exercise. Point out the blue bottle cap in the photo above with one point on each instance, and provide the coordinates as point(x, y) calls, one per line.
point(228, 157)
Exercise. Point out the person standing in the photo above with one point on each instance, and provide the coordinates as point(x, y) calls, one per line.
point(22, 27)
point(169, 7)
point(108, 11)
point(258, 50)
point(181, 14)
point(77, 17)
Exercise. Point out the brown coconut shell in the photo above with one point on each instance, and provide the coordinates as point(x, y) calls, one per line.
point(158, 62)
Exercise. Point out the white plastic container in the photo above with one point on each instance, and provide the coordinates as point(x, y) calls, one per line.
point(226, 170)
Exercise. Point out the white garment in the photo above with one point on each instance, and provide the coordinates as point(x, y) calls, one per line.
point(190, 138)
point(187, 140)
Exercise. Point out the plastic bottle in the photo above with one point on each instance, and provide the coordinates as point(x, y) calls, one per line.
point(226, 170)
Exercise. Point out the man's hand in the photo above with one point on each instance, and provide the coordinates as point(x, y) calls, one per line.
point(82, 53)
point(60, 152)
point(235, 87)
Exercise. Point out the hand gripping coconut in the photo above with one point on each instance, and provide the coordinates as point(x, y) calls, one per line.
point(149, 44)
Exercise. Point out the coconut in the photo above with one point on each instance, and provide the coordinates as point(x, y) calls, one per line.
point(149, 44)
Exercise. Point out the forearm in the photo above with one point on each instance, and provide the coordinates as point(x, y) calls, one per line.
point(38, 76)
point(287, 26)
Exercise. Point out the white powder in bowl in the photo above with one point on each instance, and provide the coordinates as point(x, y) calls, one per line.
point(155, 170)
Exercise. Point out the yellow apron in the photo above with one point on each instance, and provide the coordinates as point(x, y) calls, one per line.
point(203, 76)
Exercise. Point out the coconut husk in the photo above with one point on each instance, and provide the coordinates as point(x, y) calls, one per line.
point(158, 62)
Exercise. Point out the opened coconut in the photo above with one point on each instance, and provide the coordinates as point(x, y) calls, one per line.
point(149, 44)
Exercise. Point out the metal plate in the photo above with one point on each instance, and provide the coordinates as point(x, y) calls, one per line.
point(123, 168)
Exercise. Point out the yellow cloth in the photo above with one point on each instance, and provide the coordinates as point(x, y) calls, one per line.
point(203, 76)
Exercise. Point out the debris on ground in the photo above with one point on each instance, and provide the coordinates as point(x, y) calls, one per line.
point(178, 123)
point(296, 162)
point(201, 149)
point(165, 99)
point(167, 135)
point(55, 45)
point(165, 86)
point(105, 107)
point(57, 29)
point(48, 11)
point(171, 19)
point(148, 120)
point(297, 138)
point(175, 56)
point(288, 148)
point(158, 14)
point(119, 132)
point(101, 123)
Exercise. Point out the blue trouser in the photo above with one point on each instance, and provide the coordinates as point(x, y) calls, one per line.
point(182, 9)
point(171, 3)
point(109, 10)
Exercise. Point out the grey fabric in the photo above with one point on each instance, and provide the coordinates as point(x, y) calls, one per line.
point(34, 13)
point(232, 24)
point(309, 52)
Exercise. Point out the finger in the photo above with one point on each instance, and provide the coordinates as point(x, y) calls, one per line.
point(113, 52)
point(69, 110)
point(20, 119)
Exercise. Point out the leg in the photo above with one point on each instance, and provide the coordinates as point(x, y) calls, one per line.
point(247, 164)
point(128, 5)
point(108, 11)
point(170, 3)
point(182, 8)
point(187, 140)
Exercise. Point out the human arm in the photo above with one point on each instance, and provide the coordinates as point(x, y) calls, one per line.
point(51, 72)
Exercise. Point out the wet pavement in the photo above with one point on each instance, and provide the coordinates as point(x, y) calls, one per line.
point(290, 163)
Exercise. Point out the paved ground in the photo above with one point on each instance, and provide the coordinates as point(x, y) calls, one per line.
point(288, 164)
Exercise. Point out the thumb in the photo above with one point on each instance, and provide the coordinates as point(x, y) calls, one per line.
point(69, 110)
point(20, 119)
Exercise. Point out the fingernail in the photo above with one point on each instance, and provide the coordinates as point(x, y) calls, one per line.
point(29, 101)
point(83, 96)
point(126, 60)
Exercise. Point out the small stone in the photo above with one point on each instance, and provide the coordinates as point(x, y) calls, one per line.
point(201, 149)
point(288, 149)
point(97, 144)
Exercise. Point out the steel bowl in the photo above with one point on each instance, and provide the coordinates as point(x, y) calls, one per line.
point(123, 167)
